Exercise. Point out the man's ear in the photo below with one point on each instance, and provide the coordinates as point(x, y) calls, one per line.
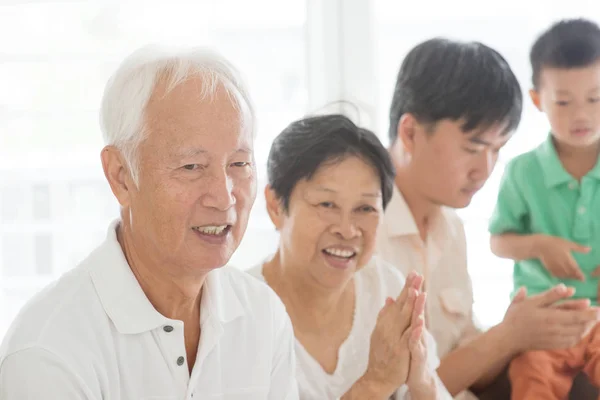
point(117, 173)
point(407, 131)
point(274, 207)
point(535, 98)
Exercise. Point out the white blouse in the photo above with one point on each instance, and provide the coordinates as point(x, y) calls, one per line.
point(374, 283)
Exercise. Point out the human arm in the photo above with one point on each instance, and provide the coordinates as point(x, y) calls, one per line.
point(537, 322)
point(36, 373)
point(554, 252)
point(389, 353)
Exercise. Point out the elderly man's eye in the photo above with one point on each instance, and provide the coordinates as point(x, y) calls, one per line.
point(367, 209)
point(326, 204)
point(241, 164)
point(190, 167)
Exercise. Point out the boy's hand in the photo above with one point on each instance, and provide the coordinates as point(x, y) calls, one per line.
point(556, 255)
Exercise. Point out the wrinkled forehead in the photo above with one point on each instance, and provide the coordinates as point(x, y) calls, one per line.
point(199, 94)
point(187, 112)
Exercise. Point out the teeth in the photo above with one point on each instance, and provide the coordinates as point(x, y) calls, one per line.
point(211, 229)
point(339, 252)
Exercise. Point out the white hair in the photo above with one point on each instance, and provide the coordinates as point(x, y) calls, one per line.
point(122, 114)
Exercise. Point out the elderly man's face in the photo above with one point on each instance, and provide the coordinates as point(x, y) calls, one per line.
point(197, 180)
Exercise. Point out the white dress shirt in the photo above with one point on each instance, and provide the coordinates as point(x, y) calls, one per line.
point(374, 284)
point(442, 260)
point(95, 335)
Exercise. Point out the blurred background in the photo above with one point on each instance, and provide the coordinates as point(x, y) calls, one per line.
point(296, 55)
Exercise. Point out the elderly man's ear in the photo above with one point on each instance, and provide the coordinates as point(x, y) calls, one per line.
point(274, 207)
point(117, 173)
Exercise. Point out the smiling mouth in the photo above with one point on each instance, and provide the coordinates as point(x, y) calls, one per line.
point(343, 254)
point(213, 230)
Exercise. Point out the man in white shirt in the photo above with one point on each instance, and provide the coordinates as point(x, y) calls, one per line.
point(151, 313)
point(455, 105)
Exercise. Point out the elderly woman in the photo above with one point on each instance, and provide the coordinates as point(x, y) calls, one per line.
point(358, 325)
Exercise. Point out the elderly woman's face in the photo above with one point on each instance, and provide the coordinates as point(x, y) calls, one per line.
point(197, 180)
point(332, 221)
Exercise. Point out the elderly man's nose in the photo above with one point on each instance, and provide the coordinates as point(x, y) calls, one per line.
point(219, 193)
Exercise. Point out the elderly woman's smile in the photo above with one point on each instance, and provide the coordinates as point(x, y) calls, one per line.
point(339, 256)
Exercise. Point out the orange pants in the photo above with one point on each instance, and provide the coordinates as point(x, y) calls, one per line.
point(549, 374)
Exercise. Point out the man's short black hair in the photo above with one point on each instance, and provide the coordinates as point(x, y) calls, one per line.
point(444, 79)
point(305, 145)
point(570, 43)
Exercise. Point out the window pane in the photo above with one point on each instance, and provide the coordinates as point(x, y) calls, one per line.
point(43, 254)
point(18, 254)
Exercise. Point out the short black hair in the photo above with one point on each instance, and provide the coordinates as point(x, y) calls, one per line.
point(309, 143)
point(570, 43)
point(444, 79)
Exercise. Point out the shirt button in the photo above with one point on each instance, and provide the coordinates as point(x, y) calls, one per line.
point(572, 185)
point(581, 210)
point(180, 361)
point(168, 328)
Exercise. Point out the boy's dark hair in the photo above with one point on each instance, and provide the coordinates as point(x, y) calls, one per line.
point(569, 43)
point(306, 145)
point(444, 79)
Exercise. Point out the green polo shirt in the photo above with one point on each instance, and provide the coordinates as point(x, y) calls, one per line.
point(537, 195)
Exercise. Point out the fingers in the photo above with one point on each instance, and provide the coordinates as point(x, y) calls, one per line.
point(551, 296)
point(520, 295)
point(562, 319)
point(415, 340)
point(565, 336)
point(572, 270)
point(417, 282)
point(579, 248)
point(419, 307)
point(406, 310)
point(596, 272)
point(407, 285)
point(578, 304)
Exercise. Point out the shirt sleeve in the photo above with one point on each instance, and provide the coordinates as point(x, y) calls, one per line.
point(284, 385)
point(510, 213)
point(36, 373)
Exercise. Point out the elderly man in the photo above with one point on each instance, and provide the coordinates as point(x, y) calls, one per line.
point(151, 313)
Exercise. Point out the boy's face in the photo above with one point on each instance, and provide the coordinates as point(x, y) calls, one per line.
point(571, 100)
point(448, 165)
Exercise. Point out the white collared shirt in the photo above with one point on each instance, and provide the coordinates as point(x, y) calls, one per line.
point(95, 335)
point(442, 260)
point(374, 283)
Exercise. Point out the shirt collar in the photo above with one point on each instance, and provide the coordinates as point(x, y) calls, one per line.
point(126, 304)
point(399, 220)
point(552, 168)
point(554, 173)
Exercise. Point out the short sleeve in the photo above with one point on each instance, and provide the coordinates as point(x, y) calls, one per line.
point(511, 212)
point(36, 373)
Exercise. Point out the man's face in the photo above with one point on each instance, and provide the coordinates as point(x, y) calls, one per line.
point(197, 180)
point(450, 166)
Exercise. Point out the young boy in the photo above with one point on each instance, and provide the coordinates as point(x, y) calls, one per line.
point(547, 217)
